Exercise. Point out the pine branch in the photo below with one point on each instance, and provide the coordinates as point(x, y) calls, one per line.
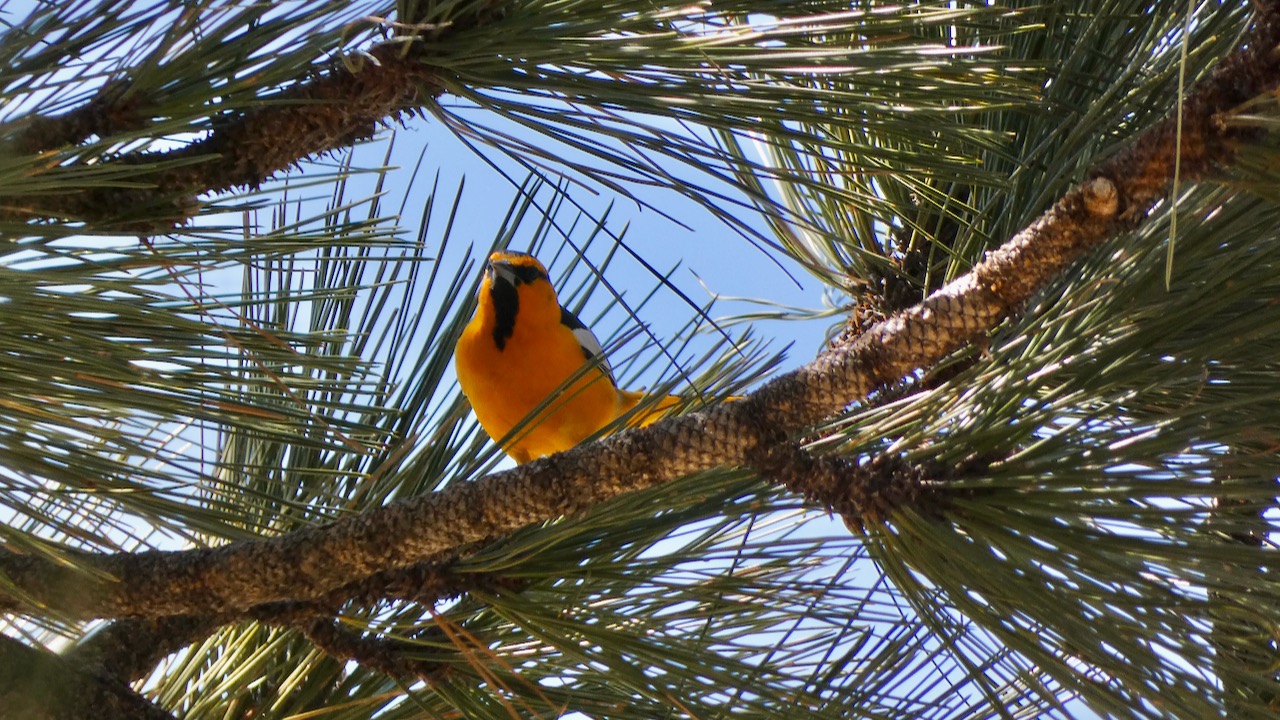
point(861, 494)
point(111, 111)
point(129, 649)
point(337, 107)
point(331, 109)
point(1244, 649)
point(38, 685)
point(426, 583)
point(309, 563)
point(390, 657)
point(332, 103)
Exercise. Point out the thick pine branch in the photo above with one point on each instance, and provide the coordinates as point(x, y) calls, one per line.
point(129, 648)
point(755, 432)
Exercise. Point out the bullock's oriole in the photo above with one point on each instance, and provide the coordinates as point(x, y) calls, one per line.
point(523, 349)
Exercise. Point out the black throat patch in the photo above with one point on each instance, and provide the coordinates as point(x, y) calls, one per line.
point(506, 305)
point(506, 300)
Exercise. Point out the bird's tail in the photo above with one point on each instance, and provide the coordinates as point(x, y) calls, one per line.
point(654, 411)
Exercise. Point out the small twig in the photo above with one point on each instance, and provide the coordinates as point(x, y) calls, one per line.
point(128, 649)
point(390, 657)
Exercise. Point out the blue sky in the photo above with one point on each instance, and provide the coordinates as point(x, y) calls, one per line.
point(711, 256)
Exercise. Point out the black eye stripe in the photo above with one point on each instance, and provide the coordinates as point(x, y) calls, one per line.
point(528, 273)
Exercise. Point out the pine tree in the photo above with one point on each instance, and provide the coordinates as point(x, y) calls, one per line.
point(1032, 475)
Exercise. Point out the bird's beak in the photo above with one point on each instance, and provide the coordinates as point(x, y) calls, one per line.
point(499, 270)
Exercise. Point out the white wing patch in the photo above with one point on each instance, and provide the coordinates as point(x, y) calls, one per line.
point(588, 341)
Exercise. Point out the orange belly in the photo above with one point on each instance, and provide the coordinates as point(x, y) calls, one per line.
point(506, 387)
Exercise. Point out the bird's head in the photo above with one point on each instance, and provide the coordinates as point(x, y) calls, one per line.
point(514, 268)
point(515, 283)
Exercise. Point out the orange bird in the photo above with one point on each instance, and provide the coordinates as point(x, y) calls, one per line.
point(523, 349)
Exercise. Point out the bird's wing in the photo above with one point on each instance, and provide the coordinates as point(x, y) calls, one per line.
point(588, 342)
